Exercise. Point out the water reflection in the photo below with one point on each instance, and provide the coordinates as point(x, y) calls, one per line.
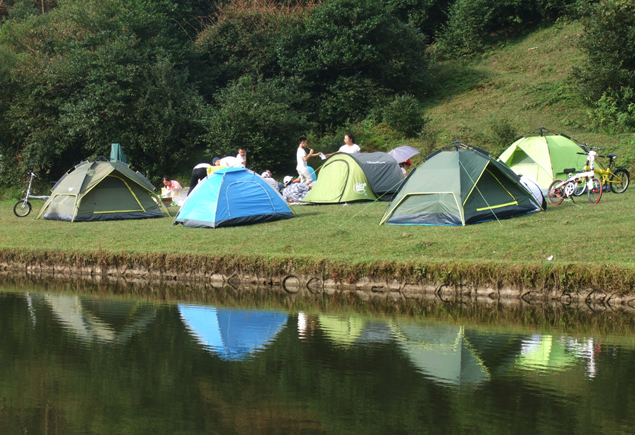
point(443, 353)
point(98, 319)
point(74, 364)
point(232, 334)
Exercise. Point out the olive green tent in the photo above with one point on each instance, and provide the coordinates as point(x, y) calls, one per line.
point(356, 177)
point(543, 157)
point(102, 190)
point(460, 186)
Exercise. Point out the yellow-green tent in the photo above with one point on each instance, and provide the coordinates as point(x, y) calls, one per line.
point(102, 190)
point(543, 158)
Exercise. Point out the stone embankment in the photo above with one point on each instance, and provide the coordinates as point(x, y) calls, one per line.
point(487, 286)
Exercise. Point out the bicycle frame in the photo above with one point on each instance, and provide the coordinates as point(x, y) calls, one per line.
point(28, 190)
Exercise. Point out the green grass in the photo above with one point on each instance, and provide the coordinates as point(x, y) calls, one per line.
point(573, 233)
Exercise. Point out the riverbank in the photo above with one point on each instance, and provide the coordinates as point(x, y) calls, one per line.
point(379, 280)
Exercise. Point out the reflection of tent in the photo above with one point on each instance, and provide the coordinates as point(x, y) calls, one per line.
point(543, 157)
point(230, 197)
point(459, 187)
point(102, 320)
point(443, 353)
point(102, 190)
point(232, 334)
point(340, 330)
point(543, 353)
point(356, 177)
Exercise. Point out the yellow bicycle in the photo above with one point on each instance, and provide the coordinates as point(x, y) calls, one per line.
point(616, 178)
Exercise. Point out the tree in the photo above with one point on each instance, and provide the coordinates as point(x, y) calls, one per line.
point(352, 56)
point(93, 73)
point(262, 114)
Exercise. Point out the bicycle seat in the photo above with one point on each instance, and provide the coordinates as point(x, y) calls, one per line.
point(611, 156)
point(569, 170)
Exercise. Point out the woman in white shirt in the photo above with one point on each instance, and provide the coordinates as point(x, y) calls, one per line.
point(349, 147)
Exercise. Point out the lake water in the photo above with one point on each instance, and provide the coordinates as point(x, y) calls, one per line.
point(74, 364)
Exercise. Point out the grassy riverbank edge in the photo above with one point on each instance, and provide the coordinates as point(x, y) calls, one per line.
point(559, 277)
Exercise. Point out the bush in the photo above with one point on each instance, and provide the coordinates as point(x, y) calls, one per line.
point(405, 115)
point(606, 80)
point(264, 116)
point(473, 25)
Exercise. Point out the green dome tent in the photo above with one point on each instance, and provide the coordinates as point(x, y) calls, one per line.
point(543, 158)
point(102, 190)
point(459, 187)
point(356, 177)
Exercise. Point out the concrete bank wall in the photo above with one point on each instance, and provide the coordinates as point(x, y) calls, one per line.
point(381, 291)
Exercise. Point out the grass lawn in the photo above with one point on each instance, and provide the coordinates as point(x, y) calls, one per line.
point(573, 233)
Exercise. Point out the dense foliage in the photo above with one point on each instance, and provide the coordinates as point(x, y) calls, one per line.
point(606, 80)
point(175, 81)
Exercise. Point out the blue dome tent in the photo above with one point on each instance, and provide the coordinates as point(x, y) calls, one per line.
point(231, 197)
point(232, 334)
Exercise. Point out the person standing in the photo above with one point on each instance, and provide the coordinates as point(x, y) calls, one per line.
point(198, 173)
point(302, 161)
point(349, 147)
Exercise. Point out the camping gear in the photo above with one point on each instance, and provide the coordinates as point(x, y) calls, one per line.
point(116, 153)
point(233, 335)
point(543, 157)
point(461, 185)
point(356, 177)
point(102, 190)
point(230, 197)
point(403, 153)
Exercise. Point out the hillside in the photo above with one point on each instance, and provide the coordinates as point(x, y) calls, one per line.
point(515, 89)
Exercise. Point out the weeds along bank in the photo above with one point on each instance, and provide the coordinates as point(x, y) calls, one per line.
point(378, 280)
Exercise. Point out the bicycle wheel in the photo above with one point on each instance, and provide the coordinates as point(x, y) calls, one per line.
point(619, 180)
point(595, 191)
point(22, 208)
point(580, 186)
point(555, 195)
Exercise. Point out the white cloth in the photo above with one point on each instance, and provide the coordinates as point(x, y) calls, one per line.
point(241, 158)
point(350, 150)
point(202, 166)
point(534, 189)
point(231, 161)
point(300, 155)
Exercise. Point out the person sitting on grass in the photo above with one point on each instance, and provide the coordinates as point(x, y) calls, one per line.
point(170, 184)
point(294, 190)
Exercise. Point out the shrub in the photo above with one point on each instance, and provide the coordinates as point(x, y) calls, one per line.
point(606, 80)
point(263, 115)
point(405, 115)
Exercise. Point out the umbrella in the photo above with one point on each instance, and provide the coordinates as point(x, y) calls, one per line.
point(401, 154)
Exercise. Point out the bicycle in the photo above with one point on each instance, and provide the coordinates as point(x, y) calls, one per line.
point(559, 190)
point(617, 178)
point(22, 208)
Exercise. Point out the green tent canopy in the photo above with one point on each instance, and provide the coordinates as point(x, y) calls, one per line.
point(356, 177)
point(543, 157)
point(102, 190)
point(461, 185)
